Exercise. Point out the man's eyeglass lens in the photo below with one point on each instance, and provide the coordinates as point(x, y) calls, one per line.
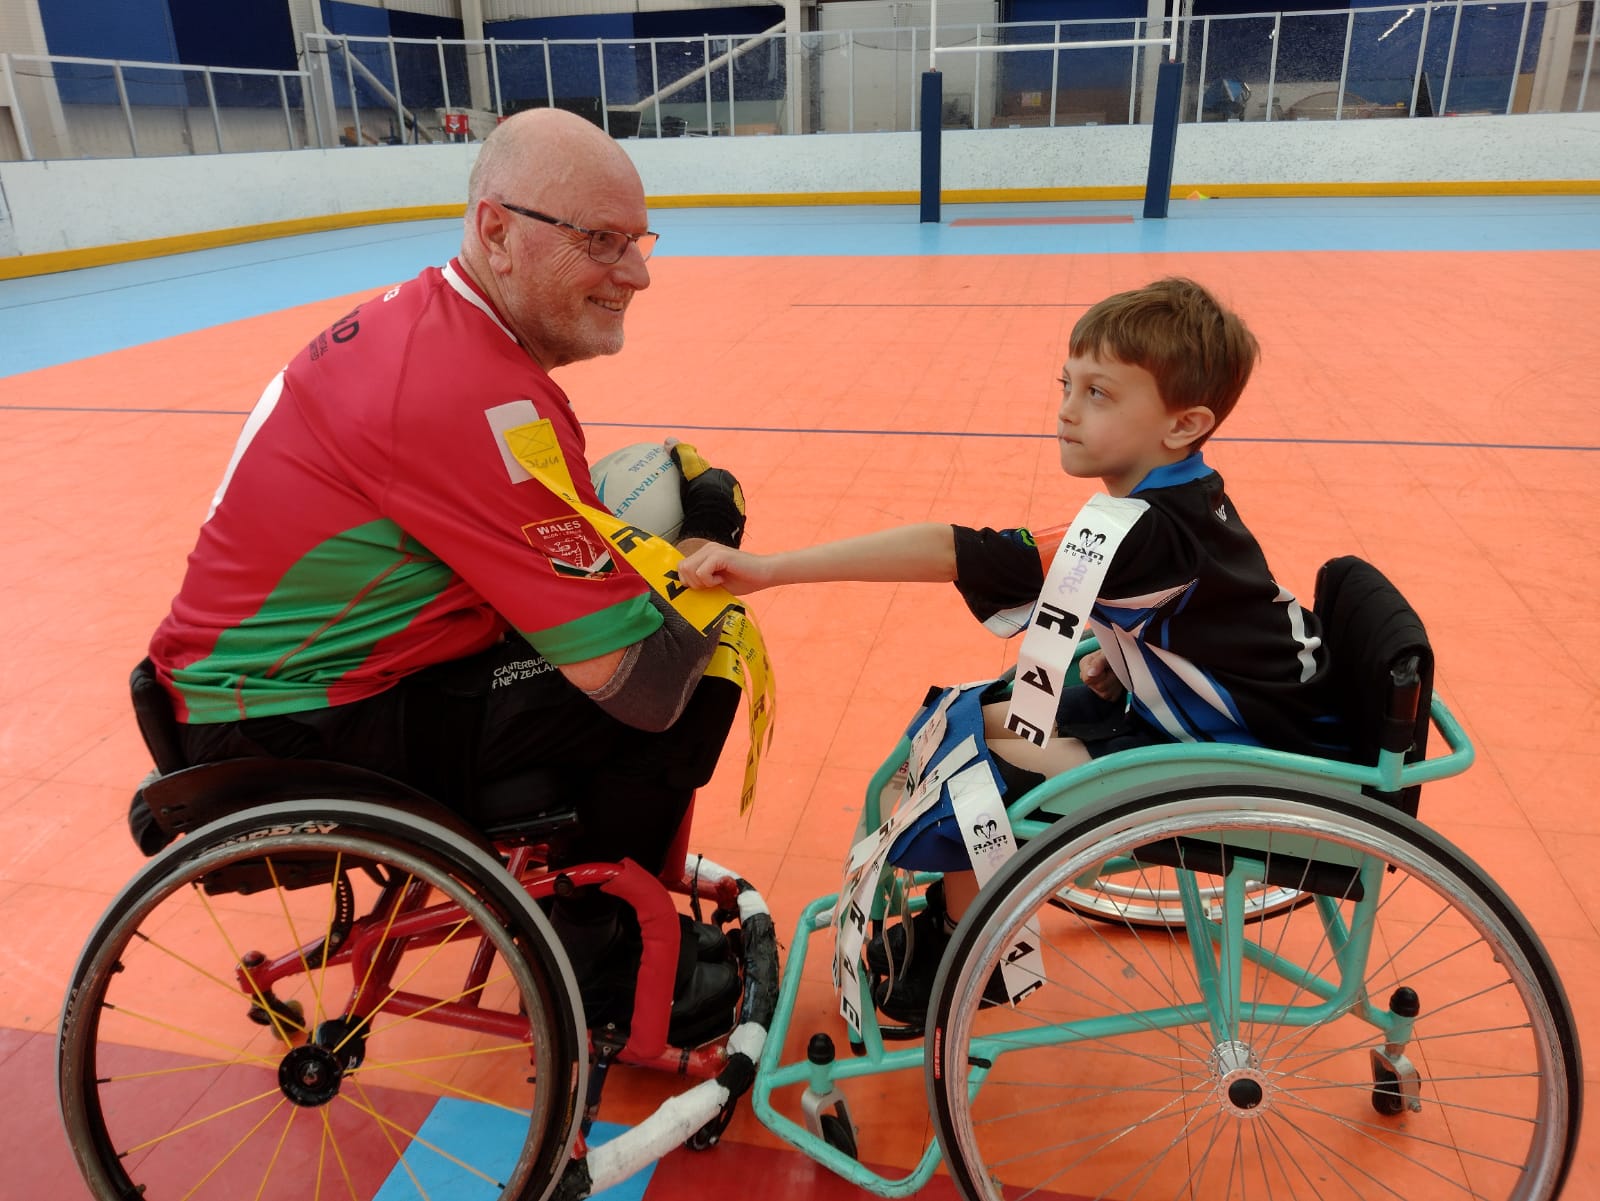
point(605, 245)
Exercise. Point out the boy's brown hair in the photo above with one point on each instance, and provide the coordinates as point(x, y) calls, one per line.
point(1199, 352)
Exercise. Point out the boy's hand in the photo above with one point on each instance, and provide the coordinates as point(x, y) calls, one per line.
point(1095, 671)
point(716, 566)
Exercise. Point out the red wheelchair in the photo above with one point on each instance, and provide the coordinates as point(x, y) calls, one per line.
point(332, 986)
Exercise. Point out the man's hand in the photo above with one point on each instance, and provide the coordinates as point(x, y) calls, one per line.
point(1095, 671)
point(713, 502)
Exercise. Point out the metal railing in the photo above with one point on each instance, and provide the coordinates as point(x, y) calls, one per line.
point(1440, 56)
point(67, 107)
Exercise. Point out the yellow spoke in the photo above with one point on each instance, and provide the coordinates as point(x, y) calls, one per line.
point(383, 1128)
point(425, 1010)
point(240, 1055)
point(231, 987)
point(277, 1151)
point(445, 1086)
point(432, 954)
point(329, 1143)
point(294, 935)
point(276, 1018)
point(395, 989)
point(333, 912)
point(198, 1122)
point(209, 1065)
point(372, 960)
point(498, 1049)
point(417, 1139)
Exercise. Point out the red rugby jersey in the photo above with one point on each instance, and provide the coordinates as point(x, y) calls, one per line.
point(371, 521)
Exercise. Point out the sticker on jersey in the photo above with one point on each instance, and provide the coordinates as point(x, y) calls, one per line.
point(519, 415)
point(252, 426)
point(573, 549)
point(1061, 613)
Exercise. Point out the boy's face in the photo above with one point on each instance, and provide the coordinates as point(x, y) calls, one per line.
point(1112, 423)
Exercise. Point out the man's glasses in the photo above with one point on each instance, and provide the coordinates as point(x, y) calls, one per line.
point(605, 245)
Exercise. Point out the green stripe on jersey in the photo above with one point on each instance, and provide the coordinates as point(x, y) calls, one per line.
point(588, 637)
point(302, 641)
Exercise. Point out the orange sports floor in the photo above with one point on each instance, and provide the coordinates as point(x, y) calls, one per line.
point(1432, 411)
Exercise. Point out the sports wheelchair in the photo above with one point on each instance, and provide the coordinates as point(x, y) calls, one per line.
point(333, 986)
point(1258, 975)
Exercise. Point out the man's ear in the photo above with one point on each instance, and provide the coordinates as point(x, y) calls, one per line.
point(1190, 426)
point(494, 234)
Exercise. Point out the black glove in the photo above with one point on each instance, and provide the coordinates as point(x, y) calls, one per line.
point(713, 502)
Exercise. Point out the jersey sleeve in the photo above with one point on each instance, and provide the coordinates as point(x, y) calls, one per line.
point(999, 574)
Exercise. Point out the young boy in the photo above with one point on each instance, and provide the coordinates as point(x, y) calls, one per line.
point(1198, 642)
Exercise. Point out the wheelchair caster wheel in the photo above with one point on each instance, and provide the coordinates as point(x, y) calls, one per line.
point(710, 1134)
point(1387, 1098)
point(290, 1015)
point(837, 1134)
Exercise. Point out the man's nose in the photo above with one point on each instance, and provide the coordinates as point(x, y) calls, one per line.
point(632, 270)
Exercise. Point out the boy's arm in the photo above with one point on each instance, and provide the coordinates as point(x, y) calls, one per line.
point(923, 552)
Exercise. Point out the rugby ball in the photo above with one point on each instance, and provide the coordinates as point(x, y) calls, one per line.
point(640, 484)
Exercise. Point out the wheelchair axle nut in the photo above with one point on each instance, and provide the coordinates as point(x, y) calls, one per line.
point(309, 1076)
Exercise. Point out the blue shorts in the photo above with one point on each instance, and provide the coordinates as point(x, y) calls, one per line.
point(933, 842)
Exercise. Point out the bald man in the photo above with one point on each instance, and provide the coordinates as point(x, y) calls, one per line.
point(380, 582)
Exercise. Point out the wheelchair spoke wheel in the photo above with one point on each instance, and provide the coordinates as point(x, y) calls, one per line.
point(322, 1000)
point(1134, 894)
point(1400, 1032)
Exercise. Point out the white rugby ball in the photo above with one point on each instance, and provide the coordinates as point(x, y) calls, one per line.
point(640, 484)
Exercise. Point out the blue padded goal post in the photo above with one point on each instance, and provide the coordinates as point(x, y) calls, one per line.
point(1164, 114)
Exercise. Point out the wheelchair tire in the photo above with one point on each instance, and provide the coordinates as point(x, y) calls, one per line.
point(1122, 1074)
point(457, 1074)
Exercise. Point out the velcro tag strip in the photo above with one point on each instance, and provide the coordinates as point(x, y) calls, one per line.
point(986, 830)
point(1061, 613)
point(741, 654)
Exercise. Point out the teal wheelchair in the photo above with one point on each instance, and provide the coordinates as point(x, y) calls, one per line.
point(1251, 974)
point(1255, 975)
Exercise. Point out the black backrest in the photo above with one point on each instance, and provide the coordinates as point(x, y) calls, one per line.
point(1381, 666)
point(152, 708)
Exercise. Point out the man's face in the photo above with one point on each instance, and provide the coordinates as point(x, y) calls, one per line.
point(564, 305)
